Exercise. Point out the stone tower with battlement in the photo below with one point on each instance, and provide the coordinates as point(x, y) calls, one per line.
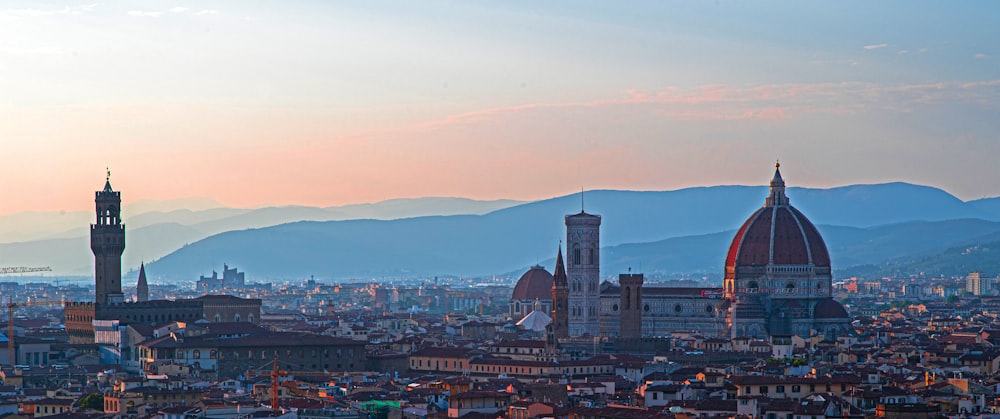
point(630, 305)
point(107, 241)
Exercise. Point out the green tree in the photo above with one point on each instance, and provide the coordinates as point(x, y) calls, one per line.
point(92, 401)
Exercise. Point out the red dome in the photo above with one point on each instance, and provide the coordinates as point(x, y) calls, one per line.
point(777, 234)
point(780, 235)
point(829, 309)
point(534, 284)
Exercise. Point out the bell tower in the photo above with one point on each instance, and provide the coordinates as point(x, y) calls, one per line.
point(107, 241)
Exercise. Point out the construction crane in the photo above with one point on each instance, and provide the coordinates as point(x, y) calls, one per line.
point(23, 270)
point(11, 305)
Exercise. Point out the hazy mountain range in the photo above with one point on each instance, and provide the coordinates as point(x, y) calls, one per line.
point(870, 229)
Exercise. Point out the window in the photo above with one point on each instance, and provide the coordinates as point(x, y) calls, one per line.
point(590, 256)
point(779, 389)
point(763, 389)
point(796, 388)
point(576, 255)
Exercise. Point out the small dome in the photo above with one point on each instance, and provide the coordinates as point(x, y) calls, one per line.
point(829, 309)
point(534, 284)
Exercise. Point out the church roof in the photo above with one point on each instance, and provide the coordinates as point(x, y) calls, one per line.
point(535, 321)
point(777, 234)
point(829, 309)
point(534, 284)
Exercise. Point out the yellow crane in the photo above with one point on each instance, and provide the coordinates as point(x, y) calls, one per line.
point(11, 305)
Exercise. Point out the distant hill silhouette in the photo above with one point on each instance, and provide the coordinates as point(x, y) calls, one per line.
point(61, 239)
point(654, 223)
point(850, 247)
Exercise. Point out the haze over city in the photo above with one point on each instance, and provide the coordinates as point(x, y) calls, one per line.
point(329, 103)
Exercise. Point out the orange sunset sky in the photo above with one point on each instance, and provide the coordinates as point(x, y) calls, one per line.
point(320, 103)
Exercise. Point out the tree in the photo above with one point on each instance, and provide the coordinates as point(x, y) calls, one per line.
point(92, 401)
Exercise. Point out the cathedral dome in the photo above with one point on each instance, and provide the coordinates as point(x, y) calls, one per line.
point(777, 234)
point(534, 284)
point(829, 309)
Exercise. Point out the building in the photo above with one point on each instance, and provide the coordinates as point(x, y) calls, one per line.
point(229, 357)
point(977, 284)
point(778, 274)
point(231, 279)
point(559, 328)
point(534, 286)
point(107, 242)
point(630, 306)
point(583, 270)
point(777, 281)
point(141, 286)
point(664, 310)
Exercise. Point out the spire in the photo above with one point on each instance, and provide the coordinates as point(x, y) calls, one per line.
point(777, 196)
point(107, 182)
point(141, 286)
point(559, 278)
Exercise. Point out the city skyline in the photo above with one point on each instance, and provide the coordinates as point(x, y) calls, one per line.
point(321, 104)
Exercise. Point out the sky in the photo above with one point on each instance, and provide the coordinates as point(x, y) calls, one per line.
point(323, 103)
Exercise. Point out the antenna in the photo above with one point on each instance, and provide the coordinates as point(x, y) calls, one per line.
point(581, 200)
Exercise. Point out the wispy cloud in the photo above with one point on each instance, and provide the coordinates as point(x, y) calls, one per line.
point(141, 13)
point(981, 56)
point(875, 46)
point(774, 102)
point(8, 14)
point(10, 50)
point(174, 10)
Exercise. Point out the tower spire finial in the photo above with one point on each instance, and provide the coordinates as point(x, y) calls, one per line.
point(108, 179)
point(581, 200)
point(777, 195)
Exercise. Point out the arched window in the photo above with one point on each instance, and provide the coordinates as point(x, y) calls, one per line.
point(576, 254)
point(196, 354)
point(250, 318)
point(236, 318)
point(218, 318)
